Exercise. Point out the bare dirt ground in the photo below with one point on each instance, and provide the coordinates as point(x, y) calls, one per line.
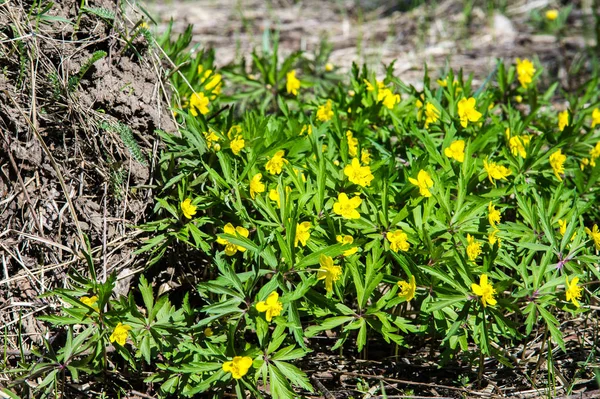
point(376, 32)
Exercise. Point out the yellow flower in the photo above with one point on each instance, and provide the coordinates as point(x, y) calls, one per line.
point(328, 67)
point(235, 130)
point(573, 292)
point(407, 288)
point(212, 140)
point(90, 301)
point(492, 239)
point(358, 174)
point(517, 146)
point(557, 161)
point(432, 114)
point(352, 144)
point(389, 98)
point(237, 145)
point(474, 247)
point(595, 117)
point(256, 185)
point(306, 129)
point(208, 332)
point(346, 207)
point(302, 233)
point(380, 87)
point(199, 103)
point(324, 112)
point(293, 84)
point(187, 208)
point(275, 165)
point(551, 15)
point(495, 171)
point(563, 120)
point(584, 162)
point(272, 306)
point(456, 150)
point(274, 195)
point(493, 215)
point(365, 156)
point(485, 290)
point(424, 182)
point(525, 71)
point(519, 99)
point(467, 111)
point(328, 271)
point(442, 82)
point(120, 333)
point(595, 152)
point(562, 228)
point(398, 240)
point(594, 235)
point(347, 240)
point(215, 83)
point(238, 367)
point(231, 249)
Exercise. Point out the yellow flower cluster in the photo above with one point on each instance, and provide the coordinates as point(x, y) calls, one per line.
point(358, 174)
point(407, 289)
point(302, 233)
point(495, 171)
point(346, 207)
point(525, 72)
point(187, 208)
point(432, 114)
point(473, 248)
point(236, 140)
point(563, 120)
point(212, 140)
point(347, 240)
point(384, 94)
point(594, 154)
point(424, 182)
point(325, 112)
point(199, 103)
point(484, 290)
point(398, 240)
point(456, 150)
point(328, 272)
point(120, 333)
point(238, 366)
point(467, 111)
point(275, 165)
point(594, 235)
point(352, 144)
point(518, 144)
point(292, 84)
point(215, 81)
point(256, 185)
point(557, 161)
point(230, 248)
point(271, 306)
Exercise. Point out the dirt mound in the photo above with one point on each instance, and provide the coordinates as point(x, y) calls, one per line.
point(80, 100)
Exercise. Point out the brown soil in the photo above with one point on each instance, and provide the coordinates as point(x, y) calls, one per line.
point(436, 33)
point(64, 172)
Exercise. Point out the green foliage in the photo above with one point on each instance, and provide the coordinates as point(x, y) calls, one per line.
point(74, 80)
point(367, 208)
point(101, 12)
point(129, 140)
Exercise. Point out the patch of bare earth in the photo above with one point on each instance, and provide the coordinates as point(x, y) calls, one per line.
point(66, 172)
point(436, 33)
